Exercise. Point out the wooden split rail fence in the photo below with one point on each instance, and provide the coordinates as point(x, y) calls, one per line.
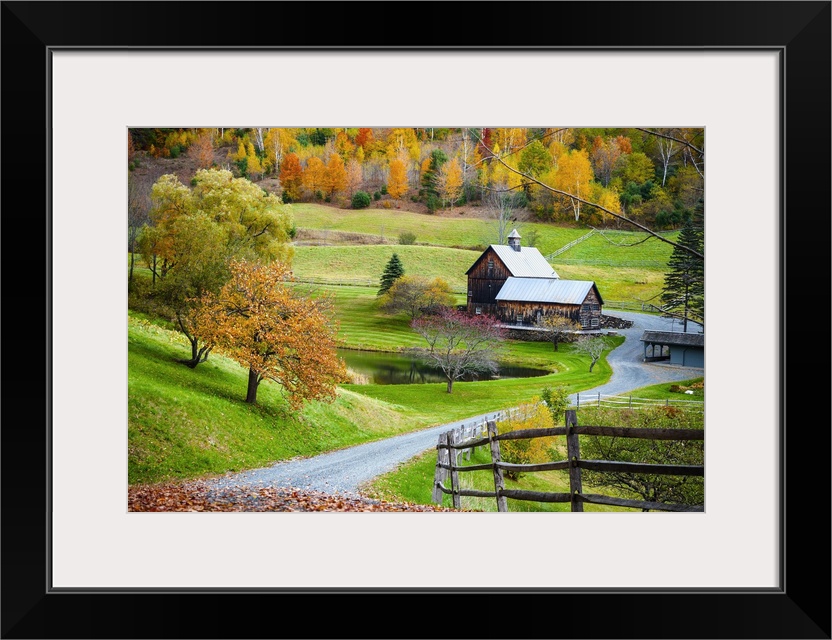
point(454, 444)
point(631, 402)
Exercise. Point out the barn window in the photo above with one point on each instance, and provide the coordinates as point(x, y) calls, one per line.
point(519, 318)
point(490, 267)
point(478, 310)
point(594, 322)
point(469, 293)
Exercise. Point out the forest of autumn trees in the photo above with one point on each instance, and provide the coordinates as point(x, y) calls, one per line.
point(585, 176)
point(634, 179)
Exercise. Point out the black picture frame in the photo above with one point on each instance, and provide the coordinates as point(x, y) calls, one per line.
point(800, 608)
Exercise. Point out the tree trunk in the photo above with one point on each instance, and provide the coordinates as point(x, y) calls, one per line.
point(253, 382)
point(555, 344)
point(198, 354)
point(132, 260)
point(450, 384)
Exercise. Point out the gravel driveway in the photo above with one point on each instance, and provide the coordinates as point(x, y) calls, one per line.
point(345, 470)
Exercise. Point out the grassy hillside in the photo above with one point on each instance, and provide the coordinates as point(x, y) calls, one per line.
point(366, 263)
point(624, 265)
point(188, 423)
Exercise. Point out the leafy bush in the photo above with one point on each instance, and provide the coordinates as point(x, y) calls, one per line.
point(407, 237)
point(557, 400)
point(175, 151)
point(360, 200)
point(377, 195)
point(384, 189)
point(532, 415)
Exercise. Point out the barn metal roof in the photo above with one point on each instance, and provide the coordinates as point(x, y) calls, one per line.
point(545, 290)
point(673, 337)
point(526, 263)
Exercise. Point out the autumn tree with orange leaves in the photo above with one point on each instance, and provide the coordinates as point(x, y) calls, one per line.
point(269, 327)
point(291, 177)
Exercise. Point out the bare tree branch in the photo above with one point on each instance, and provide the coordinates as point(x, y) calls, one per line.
point(587, 202)
point(679, 140)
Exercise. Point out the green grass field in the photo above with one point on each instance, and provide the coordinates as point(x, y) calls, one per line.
point(624, 265)
point(366, 263)
point(188, 423)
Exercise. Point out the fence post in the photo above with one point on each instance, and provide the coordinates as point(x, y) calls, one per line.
point(439, 474)
point(599, 398)
point(573, 451)
point(499, 484)
point(452, 460)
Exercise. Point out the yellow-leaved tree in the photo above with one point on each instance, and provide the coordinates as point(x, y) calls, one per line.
point(260, 320)
point(195, 232)
point(573, 176)
point(397, 181)
point(450, 182)
point(531, 415)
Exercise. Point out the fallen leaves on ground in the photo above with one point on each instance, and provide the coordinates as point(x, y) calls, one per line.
point(199, 496)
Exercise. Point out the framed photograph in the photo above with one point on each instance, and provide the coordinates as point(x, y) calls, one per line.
point(755, 76)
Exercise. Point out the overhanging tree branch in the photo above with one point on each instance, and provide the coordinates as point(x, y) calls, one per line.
point(587, 202)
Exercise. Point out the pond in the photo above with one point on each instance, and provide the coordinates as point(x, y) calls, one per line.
point(397, 368)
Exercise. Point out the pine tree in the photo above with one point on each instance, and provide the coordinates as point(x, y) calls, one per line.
point(684, 284)
point(392, 272)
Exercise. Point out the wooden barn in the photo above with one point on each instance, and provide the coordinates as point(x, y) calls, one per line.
point(524, 301)
point(517, 286)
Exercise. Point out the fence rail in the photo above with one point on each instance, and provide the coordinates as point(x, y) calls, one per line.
point(456, 443)
point(631, 402)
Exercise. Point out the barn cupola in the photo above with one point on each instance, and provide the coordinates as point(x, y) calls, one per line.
point(514, 240)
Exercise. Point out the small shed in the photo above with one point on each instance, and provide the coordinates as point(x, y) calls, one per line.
point(684, 349)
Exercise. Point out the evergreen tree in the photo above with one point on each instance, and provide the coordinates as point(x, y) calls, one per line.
point(430, 179)
point(684, 284)
point(392, 272)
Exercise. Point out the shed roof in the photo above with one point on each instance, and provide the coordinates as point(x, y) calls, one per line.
point(551, 290)
point(674, 337)
point(526, 263)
